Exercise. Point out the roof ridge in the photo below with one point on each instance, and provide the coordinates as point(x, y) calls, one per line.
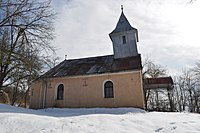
point(89, 57)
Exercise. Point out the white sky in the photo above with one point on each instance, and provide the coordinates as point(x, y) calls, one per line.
point(169, 30)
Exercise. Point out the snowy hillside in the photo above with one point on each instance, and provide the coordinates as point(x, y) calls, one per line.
point(96, 120)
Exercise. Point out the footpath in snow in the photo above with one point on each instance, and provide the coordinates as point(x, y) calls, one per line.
point(95, 120)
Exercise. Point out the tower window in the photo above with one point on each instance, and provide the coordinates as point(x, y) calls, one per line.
point(108, 90)
point(60, 91)
point(124, 39)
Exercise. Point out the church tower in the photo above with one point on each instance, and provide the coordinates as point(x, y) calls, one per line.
point(124, 38)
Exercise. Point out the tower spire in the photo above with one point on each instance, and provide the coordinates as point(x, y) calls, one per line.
point(124, 38)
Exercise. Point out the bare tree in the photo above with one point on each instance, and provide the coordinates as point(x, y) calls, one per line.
point(188, 90)
point(180, 97)
point(152, 70)
point(26, 27)
point(51, 61)
point(196, 71)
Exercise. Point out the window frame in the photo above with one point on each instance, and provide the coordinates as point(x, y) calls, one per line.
point(124, 40)
point(110, 91)
point(60, 93)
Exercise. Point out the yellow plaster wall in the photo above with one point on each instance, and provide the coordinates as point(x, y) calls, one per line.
point(36, 95)
point(87, 91)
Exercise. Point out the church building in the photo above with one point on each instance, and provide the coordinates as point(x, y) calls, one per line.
point(105, 81)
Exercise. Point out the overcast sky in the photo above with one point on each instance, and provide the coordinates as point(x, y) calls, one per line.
point(169, 30)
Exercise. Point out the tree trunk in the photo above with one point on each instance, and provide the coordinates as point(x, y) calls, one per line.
point(170, 100)
point(157, 102)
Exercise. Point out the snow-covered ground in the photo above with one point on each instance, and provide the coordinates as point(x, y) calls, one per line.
point(95, 120)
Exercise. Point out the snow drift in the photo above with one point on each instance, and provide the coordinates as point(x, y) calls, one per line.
point(95, 120)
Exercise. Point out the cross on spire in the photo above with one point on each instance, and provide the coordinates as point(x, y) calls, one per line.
point(122, 8)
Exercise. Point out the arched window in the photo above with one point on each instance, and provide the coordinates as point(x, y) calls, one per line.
point(60, 92)
point(108, 90)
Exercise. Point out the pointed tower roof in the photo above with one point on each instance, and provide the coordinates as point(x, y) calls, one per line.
point(122, 24)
